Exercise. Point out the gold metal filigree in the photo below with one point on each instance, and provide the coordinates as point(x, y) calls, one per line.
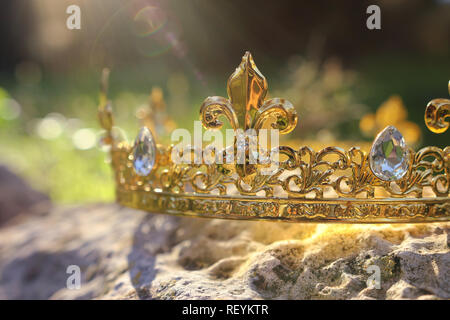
point(328, 185)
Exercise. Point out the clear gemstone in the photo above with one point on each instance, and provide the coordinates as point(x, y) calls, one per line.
point(389, 157)
point(144, 152)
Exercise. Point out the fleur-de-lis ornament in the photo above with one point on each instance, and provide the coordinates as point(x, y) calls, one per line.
point(246, 108)
point(437, 114)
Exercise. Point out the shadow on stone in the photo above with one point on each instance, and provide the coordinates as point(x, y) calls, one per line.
point(17, 198)
point(41, 274)
point(151, 237)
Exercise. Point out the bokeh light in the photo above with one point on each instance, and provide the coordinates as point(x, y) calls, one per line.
point(10, 109)
point(84, 139)
point(51, 127)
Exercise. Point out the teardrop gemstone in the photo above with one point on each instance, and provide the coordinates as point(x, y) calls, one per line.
point(389, 156)
point(144, 152)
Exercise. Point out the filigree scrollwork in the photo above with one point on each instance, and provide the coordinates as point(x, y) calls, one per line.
point(361, 180)
point(306, 172)
point(436, 161)
point(315, 172)
point(437, 114)
point(173, 178)
point(209, 179)
point(215, 107)
point(280, 112)
point(258, 183)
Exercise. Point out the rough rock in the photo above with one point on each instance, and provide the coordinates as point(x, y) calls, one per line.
point(129, 254)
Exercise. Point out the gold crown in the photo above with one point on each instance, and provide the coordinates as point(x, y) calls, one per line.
point(391, 183)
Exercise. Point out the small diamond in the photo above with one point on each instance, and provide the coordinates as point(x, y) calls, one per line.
point(144, 152)
point(389, 157)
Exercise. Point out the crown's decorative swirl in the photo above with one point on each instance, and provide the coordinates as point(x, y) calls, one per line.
point(391, 183)
point(437, 114)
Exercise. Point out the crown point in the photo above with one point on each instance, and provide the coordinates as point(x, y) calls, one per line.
point(247, 56)
point(247, 88)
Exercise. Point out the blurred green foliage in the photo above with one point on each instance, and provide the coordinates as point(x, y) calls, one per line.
point(56, 168)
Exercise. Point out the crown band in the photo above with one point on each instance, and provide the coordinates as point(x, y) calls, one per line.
point(392, 183)
point(291, 210)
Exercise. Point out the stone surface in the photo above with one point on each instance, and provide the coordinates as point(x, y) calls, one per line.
point(17, 198)
point(389, 156)
point(129, 254)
